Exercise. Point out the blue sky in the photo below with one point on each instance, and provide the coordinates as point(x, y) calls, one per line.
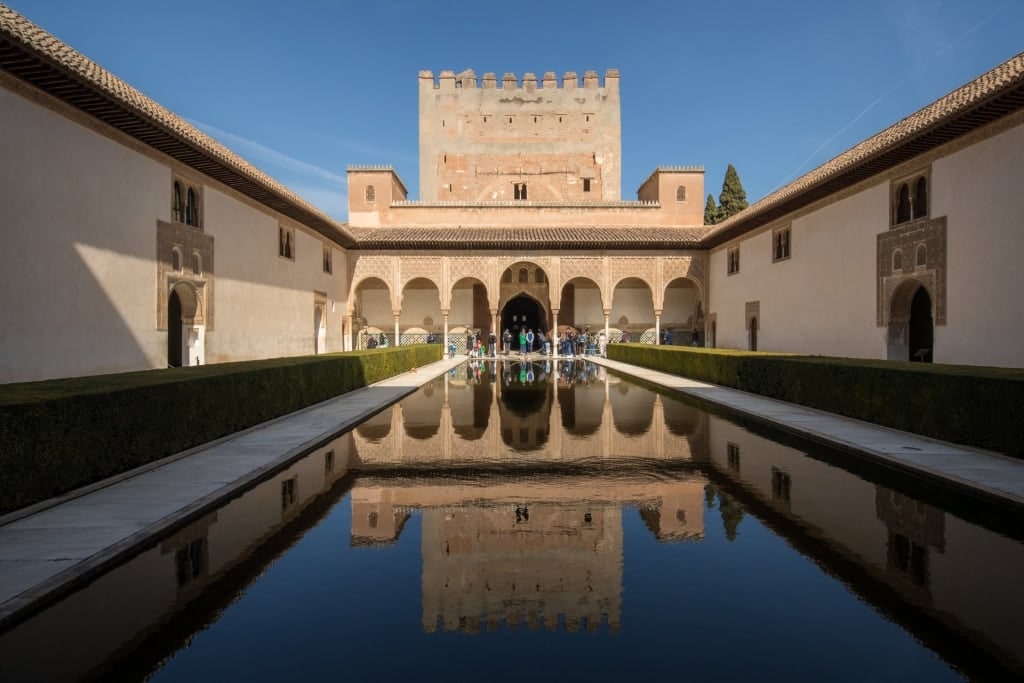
point(305, 88)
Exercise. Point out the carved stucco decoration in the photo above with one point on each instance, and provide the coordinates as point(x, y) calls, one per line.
point(377, 266)
point(907, 239)
point(589, 267)
point(396, 271)
point(197, 296)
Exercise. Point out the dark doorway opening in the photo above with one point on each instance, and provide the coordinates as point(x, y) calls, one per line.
point(921, 327)
point(174, 326)
point(524, 313)
point(753, 334)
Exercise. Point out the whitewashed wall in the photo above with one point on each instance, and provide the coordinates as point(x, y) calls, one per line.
point(80, 214)
point(822, 300)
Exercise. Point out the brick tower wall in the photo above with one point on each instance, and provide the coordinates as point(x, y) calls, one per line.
point(480, 142)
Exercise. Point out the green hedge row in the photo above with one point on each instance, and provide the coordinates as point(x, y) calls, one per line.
point(58, 435)
point(974, 406)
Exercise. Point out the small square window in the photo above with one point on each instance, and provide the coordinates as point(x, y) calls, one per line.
point(781, 244)
point(733, 259)
point(286, 243)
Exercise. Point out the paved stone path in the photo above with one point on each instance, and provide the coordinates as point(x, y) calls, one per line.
point(48, 548)
point(997, 475)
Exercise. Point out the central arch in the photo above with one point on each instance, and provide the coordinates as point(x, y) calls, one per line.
point(523, 311)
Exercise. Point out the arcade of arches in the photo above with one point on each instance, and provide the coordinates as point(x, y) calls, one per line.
point(413, 298)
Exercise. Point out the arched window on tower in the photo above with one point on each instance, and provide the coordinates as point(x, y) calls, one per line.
point(524, 276)
point(371, 194)
point(681, 193)
point(507, 277)
point(921, 257)
point(176, 260)
point(197, 263)
point(538, 276)
point(897, 260)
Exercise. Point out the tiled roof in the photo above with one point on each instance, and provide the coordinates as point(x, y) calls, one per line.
point(33, 55)
point(519, 237)
point(984, 100)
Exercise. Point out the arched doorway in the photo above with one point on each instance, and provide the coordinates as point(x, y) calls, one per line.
point(921, 327)
point(185, 329)
point(174, 326)
point(911, 326)
point(318, 330)
point(523, 312)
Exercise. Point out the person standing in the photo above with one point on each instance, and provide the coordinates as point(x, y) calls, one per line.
point(522, 342)
point(529, 340)
point(492, 342)
point(506, 340)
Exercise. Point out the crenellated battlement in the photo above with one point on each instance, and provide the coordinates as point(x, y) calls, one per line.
point(370, 167)
point(449, 80)
point(680, 169)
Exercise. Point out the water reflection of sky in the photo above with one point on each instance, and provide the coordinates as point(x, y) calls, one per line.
point(523, 519)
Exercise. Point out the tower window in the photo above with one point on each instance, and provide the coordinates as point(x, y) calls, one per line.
point(371, 194)
point(520, 190)
point(681, 193)
point(586, 184)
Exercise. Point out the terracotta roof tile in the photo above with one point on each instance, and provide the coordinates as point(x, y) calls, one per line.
point(514, 237)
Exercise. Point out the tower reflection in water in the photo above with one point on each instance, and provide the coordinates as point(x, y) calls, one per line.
point(521, 491)
point(530, 495)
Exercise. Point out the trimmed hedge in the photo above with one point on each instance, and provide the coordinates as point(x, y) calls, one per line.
point(975, 406)
point(58, 435)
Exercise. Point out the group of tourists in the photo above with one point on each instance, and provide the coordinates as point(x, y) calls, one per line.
point(585, 343)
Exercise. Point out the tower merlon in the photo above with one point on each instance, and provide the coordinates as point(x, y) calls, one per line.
point(449, 80)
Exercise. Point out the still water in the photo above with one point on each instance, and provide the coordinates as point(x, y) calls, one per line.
point(523, 521)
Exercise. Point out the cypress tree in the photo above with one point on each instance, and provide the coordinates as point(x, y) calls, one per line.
point(711, 212)
point(733, 198)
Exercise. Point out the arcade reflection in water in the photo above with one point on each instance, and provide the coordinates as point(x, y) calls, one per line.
point(533, 461)
point(523, 475)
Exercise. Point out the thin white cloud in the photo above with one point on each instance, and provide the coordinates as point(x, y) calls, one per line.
point(318, 186)
point(333, 202)
point(255, 151)
point(925, 43)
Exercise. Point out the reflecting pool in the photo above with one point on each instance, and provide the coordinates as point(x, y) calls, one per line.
point(514, 521)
